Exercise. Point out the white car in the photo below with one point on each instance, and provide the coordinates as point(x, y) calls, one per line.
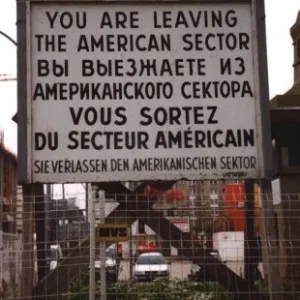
point(150, 265)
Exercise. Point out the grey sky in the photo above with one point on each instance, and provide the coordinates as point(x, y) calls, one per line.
point(280, 16)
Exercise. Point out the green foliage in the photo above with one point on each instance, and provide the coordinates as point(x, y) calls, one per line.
point(79, 289)
point(158, 289)
point(164, 289)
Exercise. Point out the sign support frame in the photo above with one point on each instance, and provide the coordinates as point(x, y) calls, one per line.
point(24, 84)
point(92, 287)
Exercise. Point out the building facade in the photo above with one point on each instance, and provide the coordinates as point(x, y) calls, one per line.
point(285, 118)
point(8, 188)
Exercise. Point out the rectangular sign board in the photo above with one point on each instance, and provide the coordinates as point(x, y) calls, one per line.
point(276, 191)
point(112, 233)
point(131, 92)
point(182, 223)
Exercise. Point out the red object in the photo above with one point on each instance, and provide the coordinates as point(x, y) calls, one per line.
point(234, 196)
point(145, 244)
point(119, 248)
point(169, 195)
point(174, 195)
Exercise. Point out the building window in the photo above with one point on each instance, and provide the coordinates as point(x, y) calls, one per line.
point(298, 49)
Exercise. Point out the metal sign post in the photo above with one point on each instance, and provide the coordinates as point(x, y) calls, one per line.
point(250, 244)
point(102, 247)
point(92, 245)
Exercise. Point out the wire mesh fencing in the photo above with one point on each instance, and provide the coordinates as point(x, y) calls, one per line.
point(182, 241)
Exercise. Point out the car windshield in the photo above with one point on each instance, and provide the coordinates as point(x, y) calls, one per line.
point(109, 253)
point(151, 260)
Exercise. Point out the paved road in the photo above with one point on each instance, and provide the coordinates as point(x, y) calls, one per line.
point(178, 269)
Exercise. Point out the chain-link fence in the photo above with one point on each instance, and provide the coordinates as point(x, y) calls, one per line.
point(182, 241)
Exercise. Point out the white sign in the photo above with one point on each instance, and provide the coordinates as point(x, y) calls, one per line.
point(134, 92)
point(276, 191)
point(182, 223)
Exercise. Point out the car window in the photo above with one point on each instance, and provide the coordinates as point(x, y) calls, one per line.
point(109, 253)
point(151, 260)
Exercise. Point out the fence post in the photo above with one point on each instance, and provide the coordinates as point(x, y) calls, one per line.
point(102, 247)
point(249, 234)
point(41, 233)
point(92, 245)
point(271, 257)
